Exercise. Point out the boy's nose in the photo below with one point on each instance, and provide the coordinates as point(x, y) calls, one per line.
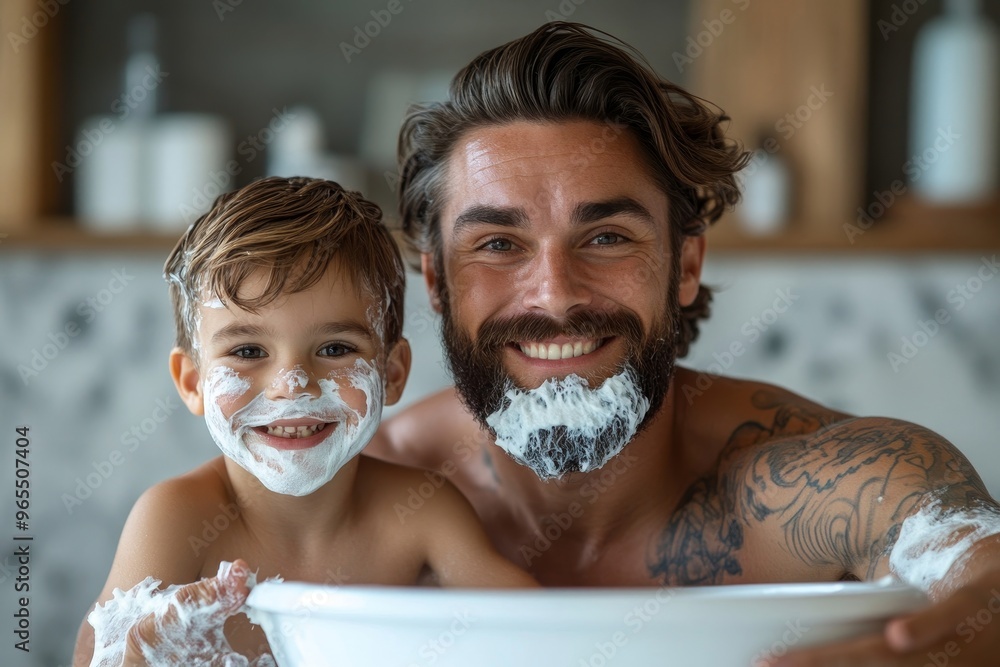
point(292, 384)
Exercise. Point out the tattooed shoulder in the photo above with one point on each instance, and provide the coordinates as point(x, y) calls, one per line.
point(830, 492)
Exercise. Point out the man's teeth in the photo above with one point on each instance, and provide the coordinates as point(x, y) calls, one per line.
point(557, 351)
point(295, 431)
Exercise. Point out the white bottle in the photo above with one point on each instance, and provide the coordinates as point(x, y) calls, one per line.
point(766, 185)
point(954, 149)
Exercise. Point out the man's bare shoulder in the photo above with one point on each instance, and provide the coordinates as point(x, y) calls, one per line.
point(426, 433)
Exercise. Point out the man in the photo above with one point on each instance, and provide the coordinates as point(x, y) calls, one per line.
point(558, 199)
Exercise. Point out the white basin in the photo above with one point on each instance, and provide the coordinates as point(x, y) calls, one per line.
point(311, 625)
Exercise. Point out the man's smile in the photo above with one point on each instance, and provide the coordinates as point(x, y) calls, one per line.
point(559, 348)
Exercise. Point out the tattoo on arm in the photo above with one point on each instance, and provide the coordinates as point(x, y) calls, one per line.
point(835, 493)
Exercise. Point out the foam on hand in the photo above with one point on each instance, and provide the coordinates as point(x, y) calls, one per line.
point(192, 634)
point(565, 426)
point(293, 472)
point(935, 538)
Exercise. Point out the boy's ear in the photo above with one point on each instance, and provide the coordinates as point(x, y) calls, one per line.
point(430, 280)
point(397, 369)
point(187, 379)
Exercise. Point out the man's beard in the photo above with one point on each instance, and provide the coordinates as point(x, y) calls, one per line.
point(564, 426)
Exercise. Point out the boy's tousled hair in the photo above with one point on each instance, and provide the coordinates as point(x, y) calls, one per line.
point(563, 72)
point(291, 228)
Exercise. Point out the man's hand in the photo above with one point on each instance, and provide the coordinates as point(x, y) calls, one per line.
point(962, 630)
point(190, 631)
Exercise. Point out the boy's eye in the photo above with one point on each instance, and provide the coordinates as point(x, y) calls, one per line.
point(336, 350)
point(248, 352)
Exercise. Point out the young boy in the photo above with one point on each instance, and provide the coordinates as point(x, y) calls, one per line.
point(288, 300)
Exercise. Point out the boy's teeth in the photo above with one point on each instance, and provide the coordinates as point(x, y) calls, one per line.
point(294, 431)
point(557, 351)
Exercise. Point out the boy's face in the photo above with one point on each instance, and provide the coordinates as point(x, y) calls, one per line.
point(295, 390)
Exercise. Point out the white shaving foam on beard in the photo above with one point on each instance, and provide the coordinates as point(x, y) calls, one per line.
point(934, 539)
point(197, 638)
point(293, 472)
point(523, 428)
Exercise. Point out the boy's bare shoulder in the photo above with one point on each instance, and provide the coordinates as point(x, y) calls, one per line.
point(164, 517)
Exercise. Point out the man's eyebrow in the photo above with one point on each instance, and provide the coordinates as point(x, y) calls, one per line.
point(239, 330)
point(504, 216)
point(594, 211)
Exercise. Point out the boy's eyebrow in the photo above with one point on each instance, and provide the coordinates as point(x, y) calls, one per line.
point(244, 330)
point(239, 330)
point(346, 326)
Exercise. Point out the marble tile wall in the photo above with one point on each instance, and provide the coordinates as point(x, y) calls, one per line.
point(105, 321)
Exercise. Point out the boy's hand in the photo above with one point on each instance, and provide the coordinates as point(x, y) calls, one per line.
point(191, 629)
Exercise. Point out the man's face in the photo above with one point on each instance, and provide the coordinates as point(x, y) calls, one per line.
point(555, 261)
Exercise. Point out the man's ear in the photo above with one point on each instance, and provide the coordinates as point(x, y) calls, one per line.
point(187, 379)
point(692, 258)
point(431, 280)
point(397, 369)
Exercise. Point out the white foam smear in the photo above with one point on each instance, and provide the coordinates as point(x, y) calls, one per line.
point(196, 636)
point(293, 472)
point(935, 538)
point(524, 427)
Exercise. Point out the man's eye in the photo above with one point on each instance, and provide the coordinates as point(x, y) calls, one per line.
point(248, 352)
point(497, 245)
point(608, 238)
point(336, 350)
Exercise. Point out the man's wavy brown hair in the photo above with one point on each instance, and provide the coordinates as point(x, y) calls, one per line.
point(291, 228)
point(568, 71)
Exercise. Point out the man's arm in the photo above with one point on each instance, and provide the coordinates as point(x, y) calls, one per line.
point(871, 495)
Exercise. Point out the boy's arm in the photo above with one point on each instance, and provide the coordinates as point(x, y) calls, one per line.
point(458, 549)
point(154, 542)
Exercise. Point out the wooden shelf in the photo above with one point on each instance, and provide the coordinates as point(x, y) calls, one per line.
point(921, 231)
point(908, 228)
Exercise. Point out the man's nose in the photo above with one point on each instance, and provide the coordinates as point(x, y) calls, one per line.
point(555, 284)
point(289, 384)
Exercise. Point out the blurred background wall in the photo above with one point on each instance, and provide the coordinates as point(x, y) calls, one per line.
point(892, 307)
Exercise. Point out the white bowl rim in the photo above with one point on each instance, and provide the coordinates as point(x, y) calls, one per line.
point(758, 603)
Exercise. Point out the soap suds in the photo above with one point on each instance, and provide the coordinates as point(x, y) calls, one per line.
point(192, 635)
point(935, 538)
point(565, 426)
point(293, 472)
point(292, 380)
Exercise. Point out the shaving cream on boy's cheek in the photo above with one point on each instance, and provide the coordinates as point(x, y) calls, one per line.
point(293, 472)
